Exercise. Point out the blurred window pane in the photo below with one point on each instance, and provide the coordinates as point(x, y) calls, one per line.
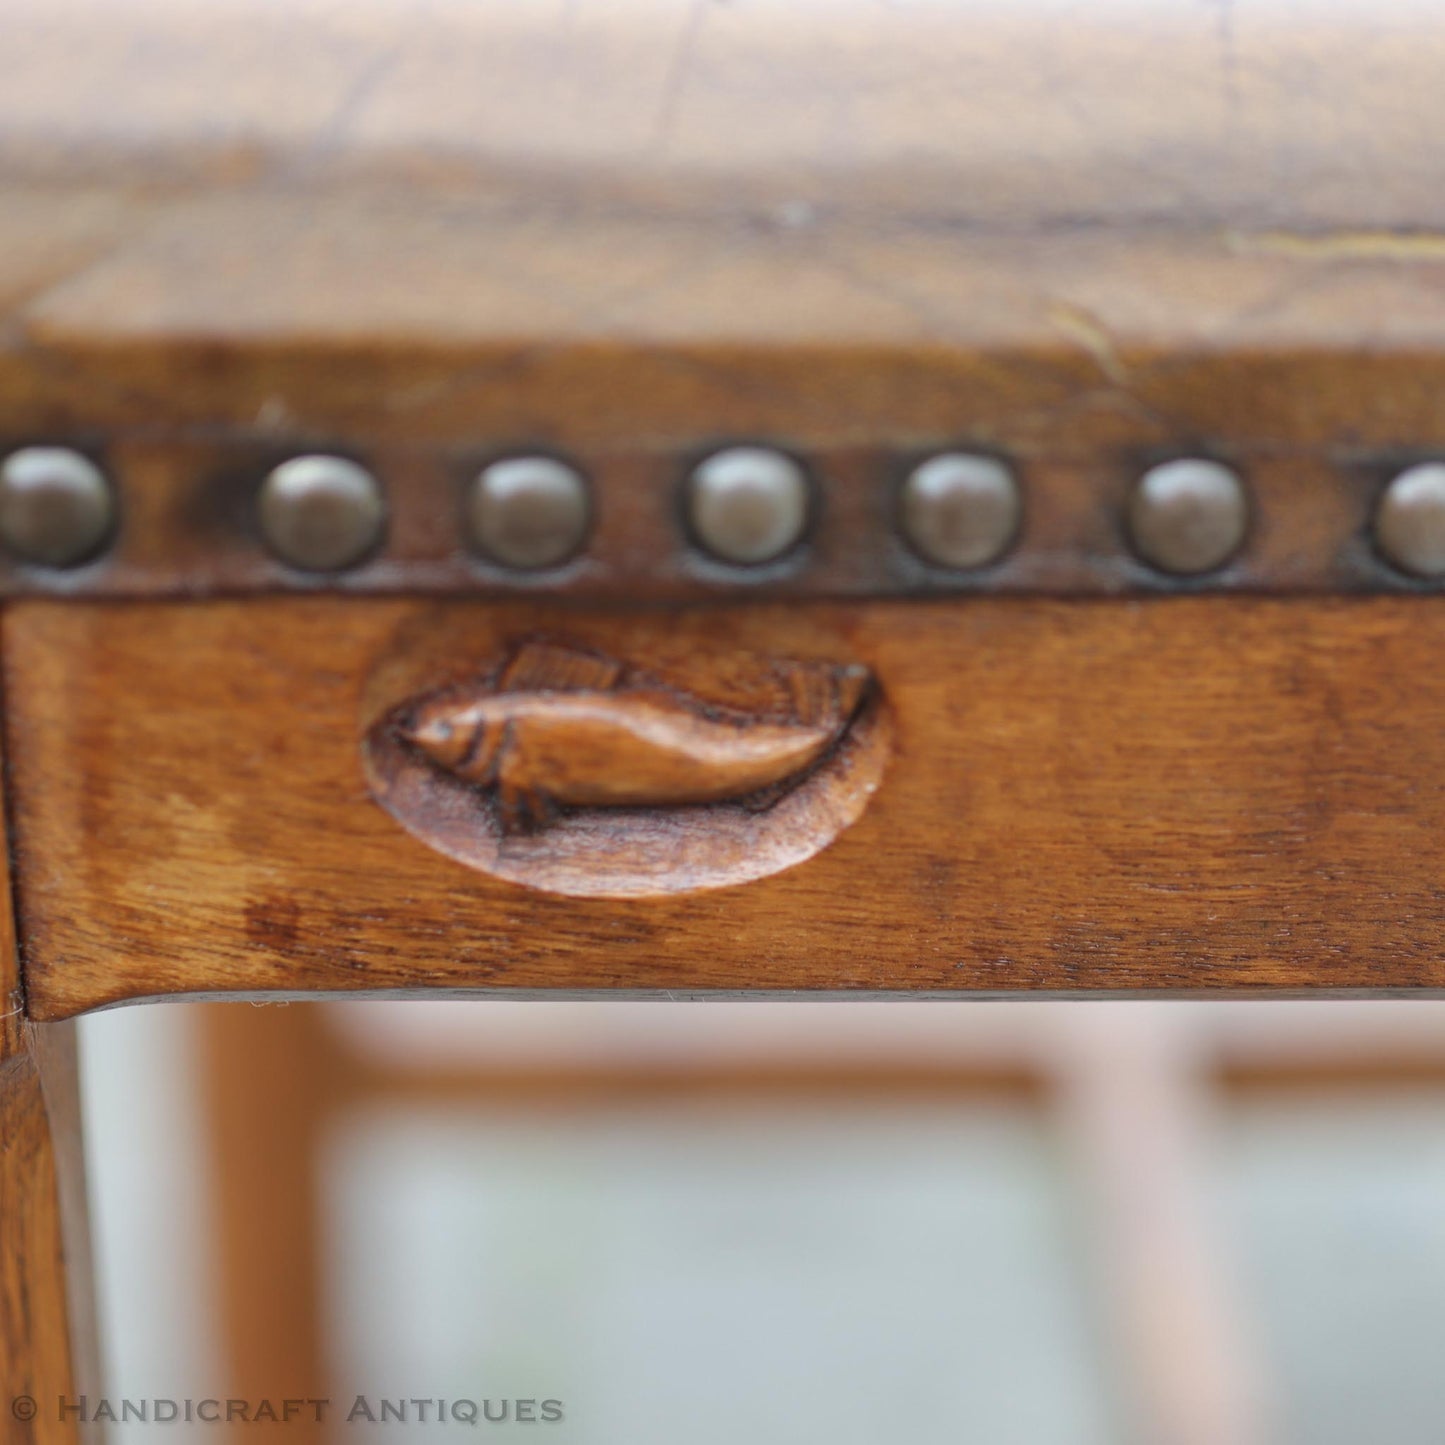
point(1337, 1205)
point(715, 1275)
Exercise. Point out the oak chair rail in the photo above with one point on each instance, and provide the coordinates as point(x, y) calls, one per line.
point(1204, 794)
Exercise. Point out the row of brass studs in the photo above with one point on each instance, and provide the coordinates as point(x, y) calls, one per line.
point(745, 506)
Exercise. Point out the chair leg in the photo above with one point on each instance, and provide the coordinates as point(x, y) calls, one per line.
point(48, 1349)
point(269, 1080)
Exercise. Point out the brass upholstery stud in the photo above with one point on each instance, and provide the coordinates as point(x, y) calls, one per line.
point(1410, 521)
point(960, 510)
point(748, 505)
point(528, 512)
point(322, 513)
point(56, 507)
point(1188, 516)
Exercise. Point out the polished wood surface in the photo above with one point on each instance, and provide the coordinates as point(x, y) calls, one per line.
point(48, 1344)
point(1082, 246)
point(1200, 794)
point(36, 1364)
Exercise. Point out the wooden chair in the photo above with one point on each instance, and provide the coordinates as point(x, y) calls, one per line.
point(705, 501)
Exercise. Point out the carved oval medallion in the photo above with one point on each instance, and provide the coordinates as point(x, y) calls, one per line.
point(569, 770)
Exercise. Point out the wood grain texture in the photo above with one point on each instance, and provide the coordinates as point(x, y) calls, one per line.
point(1205, 794)
point(941, 230)
point(48, 1343)
point(35, 1347)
